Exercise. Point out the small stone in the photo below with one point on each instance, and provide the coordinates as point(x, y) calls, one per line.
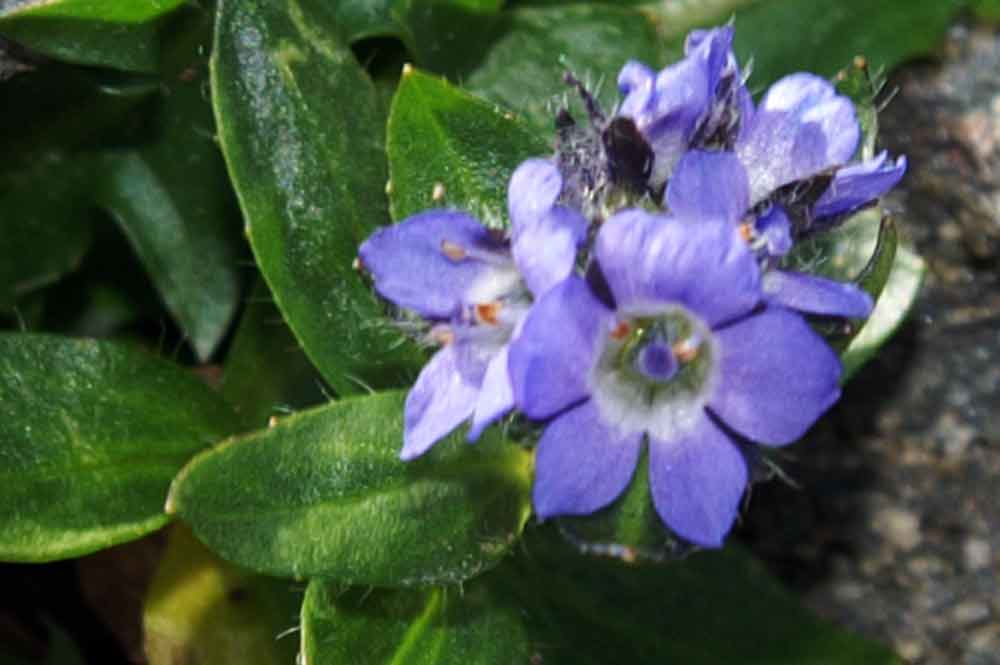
point(985, 639)
point(977, 554)
point(899, 527)
point(849, 592)
point(909, 649)
point(970, 612)
point(925, 566)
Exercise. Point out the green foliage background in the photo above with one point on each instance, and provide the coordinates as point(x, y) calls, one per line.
point(185, 185)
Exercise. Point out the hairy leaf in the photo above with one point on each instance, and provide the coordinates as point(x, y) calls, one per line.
point(300, 127)
point(450, 149)
point(122, 34)
point(323, 493)
point(440, 626)
point(93, 432)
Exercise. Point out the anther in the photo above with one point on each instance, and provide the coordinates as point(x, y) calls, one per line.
point(437, 194)
point(621, 330)
point(686, 350)
point(746, 231)
point(488, 313)
point(453, 251)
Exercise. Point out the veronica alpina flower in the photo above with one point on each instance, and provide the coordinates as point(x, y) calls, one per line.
point(672, 347)
point(474, 287)
point(714, 185)
point(687, 103)
point(802, 131)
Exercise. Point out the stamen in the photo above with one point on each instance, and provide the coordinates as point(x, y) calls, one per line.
point(621, 330)
point(437, 194)
point(746, 231)
point(686, 350)
point(489, 313)
point(453, 251)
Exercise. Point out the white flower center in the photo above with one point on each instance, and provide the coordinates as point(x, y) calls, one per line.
point(655, 371)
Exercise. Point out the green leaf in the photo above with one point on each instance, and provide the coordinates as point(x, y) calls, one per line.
point(842, 253)
point(987, 9)
point(825, 35)
point(323, 493)
point(714, 607)
point(300, 127)
point(822, 35)
point(359, 19)
point(46, 229)
point(171, 196)
point(450, 149)
point(93, 433)
point(46, 117)
point(121, 34)
point(266, 372)
point(58, 109)
point(894, 304)
point(201, 609)
point(177, 225)
point(530, 49)
point(862, 87)
point(441, 626)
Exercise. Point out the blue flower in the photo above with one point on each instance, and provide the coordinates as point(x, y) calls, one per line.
point(801, 130)
point(474, 287)
point(669, 342)
point(715, 186)
point(688, 103)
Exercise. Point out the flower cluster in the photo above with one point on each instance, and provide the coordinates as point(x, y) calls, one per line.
point(638, 298)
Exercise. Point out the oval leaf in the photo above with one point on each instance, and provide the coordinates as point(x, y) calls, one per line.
point(323, 493)
point(93, 433)
point(121, 34)
point(300, 129)
point(441, 626)
point(533, 47)
point(172, 197)
point(450, 149)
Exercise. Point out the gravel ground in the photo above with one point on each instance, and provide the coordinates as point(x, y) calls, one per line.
point(894, 528)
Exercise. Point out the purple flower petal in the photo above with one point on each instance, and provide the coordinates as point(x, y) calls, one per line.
point(533, 190)
point(776, 229)
point(816, 295)
point(705, 266)
point(681, 96)
point(553, 354)
point(443, 397)
point(582, 465)
point(776, 377)
point(429, 261)
point(496, 397)
point(635, 82)
point(545, 247)
point(709, 185)
point(801, 127)
point(697, 481)
point(855, 186)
